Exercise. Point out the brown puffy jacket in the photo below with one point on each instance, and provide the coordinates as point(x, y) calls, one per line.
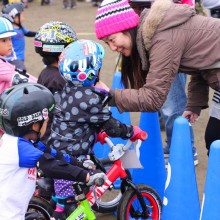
point(177, 40)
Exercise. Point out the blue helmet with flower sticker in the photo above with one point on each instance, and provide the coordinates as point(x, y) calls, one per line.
point(81, 61)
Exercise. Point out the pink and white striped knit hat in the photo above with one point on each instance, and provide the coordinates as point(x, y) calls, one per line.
point(114, 16)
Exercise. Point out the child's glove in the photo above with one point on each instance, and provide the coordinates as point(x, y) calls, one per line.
point(97, 178)
point(19, 78)
point(138, 134)
point(86, 163)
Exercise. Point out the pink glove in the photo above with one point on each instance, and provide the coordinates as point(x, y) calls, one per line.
point(138, 134)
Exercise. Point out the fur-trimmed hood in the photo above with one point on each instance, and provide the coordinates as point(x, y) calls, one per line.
point(163, 15)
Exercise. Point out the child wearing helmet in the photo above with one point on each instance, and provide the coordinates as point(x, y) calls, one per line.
point(16, 12)
point(23, 117)
point(49, 42)
point(9, 74)
point(81, 112)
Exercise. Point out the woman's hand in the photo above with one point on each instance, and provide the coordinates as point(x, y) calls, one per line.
point(192, 117)
point(102, 85)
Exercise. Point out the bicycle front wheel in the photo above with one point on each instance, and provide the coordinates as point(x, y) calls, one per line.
point(130, 208)
point(41, 207)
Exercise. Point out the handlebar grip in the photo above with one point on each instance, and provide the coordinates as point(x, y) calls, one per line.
point(140, 135)
point(143, 135)
point(99, 181)
point(101, 137)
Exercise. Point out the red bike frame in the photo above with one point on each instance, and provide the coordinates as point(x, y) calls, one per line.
point(113, 173)
point(116, 171)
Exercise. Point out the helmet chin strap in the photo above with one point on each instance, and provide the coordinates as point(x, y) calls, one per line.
point(37, 132)
point(38, 136)
point(19, 21)
point(97, 80)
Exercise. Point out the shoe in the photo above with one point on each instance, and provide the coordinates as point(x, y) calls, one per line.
point(58, 216)
point(166, 152)
point(195, 156)
point(95, 4)
point(167, 155)
point(66, 7)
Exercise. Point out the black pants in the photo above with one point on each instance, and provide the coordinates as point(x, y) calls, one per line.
point(212, 132)
point(5, 2)
point(215, 12)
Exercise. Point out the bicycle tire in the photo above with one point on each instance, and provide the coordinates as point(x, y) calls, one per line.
point(109, 201)
point(129, 207)
point(42, 207)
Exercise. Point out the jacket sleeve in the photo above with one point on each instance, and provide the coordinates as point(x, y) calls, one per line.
point(164, 63)
point(115, 128)
point(28, 33)
point(60, 169)
point(198, 94)
point(7, 71)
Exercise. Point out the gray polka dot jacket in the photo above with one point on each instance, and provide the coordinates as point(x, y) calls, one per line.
point(81, 113)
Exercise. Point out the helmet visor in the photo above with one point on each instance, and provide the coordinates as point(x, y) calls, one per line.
point(7, 34)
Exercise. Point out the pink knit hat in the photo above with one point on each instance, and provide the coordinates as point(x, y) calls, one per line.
point(114, 16)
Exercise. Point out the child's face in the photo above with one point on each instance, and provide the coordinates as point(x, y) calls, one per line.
point(16, 18)
point(5, 46)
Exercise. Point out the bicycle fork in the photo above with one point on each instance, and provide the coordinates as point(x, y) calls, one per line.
point(145, 213)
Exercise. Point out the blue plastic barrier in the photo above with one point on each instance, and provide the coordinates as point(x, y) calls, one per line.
point(211, 195)
point(151, 155)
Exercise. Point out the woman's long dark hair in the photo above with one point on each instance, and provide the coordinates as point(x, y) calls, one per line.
point(132, 74)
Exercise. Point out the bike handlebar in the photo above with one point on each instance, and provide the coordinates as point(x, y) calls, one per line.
point(118, 150)
point(142, 135)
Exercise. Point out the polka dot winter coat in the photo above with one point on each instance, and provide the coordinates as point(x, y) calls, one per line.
point(81, 113)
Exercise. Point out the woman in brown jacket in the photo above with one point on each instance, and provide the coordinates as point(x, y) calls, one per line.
point(155, 48)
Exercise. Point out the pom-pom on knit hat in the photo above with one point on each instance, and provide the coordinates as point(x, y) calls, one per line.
point(114, 16)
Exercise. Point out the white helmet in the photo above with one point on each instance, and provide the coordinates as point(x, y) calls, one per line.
point(6, 28)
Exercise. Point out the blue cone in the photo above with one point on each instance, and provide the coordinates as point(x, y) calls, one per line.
point(151, 155)
point(101, 151)
point(211, 196)
point(181, 197)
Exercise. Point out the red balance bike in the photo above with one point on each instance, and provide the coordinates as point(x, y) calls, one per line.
point(131, 201)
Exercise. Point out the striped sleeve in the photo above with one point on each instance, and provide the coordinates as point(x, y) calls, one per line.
point(216, 97)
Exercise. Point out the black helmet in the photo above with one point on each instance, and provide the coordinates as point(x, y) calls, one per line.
point(53, 37)
point(23, 105)
point(13, 9)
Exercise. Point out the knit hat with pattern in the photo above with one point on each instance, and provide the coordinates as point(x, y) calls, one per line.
point(114, 16)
